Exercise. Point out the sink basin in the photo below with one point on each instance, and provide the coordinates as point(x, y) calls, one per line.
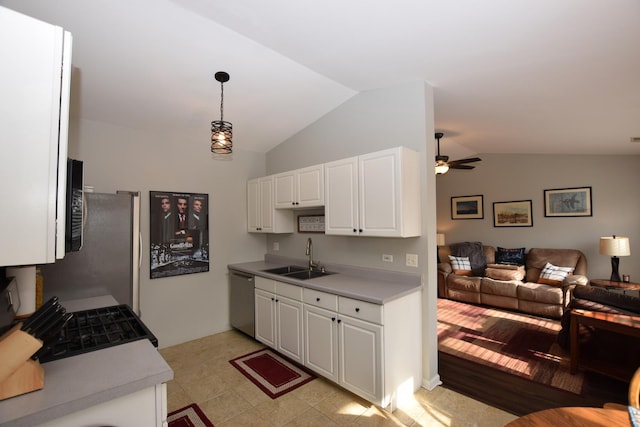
point(307, 274)
point(286, 269)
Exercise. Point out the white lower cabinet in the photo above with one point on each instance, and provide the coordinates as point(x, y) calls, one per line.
point(321, 341)
point(279, 312)
point(369, 349)
point(360, 358)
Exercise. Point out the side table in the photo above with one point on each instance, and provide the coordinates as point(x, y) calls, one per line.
point(608, 284)
point(618, 323)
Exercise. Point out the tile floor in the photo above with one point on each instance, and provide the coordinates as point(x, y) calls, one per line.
point(203, 374)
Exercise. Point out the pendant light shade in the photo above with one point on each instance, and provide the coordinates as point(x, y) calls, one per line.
point(221, 131)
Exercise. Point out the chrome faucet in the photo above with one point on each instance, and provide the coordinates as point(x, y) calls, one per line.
point(309, 252)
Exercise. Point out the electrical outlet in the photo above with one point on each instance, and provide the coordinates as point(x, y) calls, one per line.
point(412, 260)
point(387, 258)
point(276, 246)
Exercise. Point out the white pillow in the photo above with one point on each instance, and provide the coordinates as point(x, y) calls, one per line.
point(554, 275)
point(460, 265)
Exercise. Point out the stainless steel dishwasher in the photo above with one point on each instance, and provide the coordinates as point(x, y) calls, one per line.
point(241, 302)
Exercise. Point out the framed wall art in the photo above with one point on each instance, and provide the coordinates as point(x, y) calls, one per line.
point(310, 223)
point(512, 214)
point(467, 207)
point(179, 233)
point(568, 202)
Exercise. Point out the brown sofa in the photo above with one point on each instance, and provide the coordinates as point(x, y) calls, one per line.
point(526, 295)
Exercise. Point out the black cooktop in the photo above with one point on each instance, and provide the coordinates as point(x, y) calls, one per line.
point(96, 329)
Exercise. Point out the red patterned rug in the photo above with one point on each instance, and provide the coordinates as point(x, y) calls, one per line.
point(272, 373)
point(515, 343)
point(189, 416)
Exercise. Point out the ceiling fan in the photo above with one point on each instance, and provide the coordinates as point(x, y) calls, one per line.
point(443, 164)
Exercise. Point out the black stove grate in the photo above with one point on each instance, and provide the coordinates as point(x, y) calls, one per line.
point(96, 329)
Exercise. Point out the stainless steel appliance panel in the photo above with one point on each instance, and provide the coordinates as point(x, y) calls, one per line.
point(241, 302)
point(108, 262)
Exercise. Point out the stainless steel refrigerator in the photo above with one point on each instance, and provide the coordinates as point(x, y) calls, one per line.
point(109, 260)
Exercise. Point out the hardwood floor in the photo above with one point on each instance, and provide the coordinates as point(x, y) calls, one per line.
point(522, 396)
point(517, 395)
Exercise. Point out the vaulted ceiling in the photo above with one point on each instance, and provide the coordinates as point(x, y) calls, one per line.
point(509, 76)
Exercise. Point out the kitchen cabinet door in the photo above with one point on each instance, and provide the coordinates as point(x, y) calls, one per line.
point(300, 188)
point(321, 341)
point(360, 357)
point(262, 217)
point(34, 106)
point(376, 194)
point(265, 318)
point(341, 193)
point(289, 334)
point(279, 317)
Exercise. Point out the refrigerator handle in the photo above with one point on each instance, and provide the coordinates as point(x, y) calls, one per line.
point(140, 252)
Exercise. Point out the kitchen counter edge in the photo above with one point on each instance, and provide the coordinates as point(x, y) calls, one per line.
point(80, 382)
point(370, 285)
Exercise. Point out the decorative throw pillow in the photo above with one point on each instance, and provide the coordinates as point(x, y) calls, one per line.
point(460, 265)
point(497, 273)
point(510, 256)
point(554, 275)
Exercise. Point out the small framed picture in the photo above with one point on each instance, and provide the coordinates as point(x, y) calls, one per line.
point(467, 207)
point(512, 214)
point(568, 202)
point(310, 223)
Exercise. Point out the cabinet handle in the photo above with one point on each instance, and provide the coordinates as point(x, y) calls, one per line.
point(273, 299)
point(357, 310)
point(333, 319)
point(276, 299)
point(360, 230)
point(339, 320)
point(318, 299)
point(355, 231)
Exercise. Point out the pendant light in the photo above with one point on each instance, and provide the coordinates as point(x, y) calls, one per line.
point(221, 133)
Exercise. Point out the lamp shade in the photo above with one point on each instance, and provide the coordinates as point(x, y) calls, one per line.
point(440, 239)
point(615, 246)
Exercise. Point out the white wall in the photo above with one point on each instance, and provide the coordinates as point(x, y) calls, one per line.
point(499, 177)
point(368, 122)
point(179, 308)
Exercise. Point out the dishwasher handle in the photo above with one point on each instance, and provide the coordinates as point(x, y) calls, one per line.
point(247, 276)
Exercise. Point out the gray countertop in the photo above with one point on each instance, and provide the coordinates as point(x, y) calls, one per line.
point(366, 284)
point(85, 380)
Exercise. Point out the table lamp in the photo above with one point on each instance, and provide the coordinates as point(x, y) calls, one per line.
point(615, 246)
point(439, 242)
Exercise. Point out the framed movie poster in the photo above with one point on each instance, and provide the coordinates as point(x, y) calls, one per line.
point(179, 233)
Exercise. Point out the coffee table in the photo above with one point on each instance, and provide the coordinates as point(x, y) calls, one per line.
point(608, 284)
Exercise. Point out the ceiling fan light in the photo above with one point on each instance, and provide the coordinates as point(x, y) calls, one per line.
point(442, 168)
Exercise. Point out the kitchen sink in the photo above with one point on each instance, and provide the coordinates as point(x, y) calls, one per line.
point(307, 274)
point(286, 269)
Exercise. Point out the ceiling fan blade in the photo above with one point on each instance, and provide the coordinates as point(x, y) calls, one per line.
point(463, 161)
point(459, 166)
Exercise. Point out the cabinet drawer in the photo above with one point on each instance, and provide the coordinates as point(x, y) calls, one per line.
point(289, 291)
point(360, 309)
point(321, 299)
point(268, 285)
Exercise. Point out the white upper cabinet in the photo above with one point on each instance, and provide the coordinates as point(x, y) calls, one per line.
point(300, 188)
point(262, 217)
point(376, 194)
point(34, 106)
